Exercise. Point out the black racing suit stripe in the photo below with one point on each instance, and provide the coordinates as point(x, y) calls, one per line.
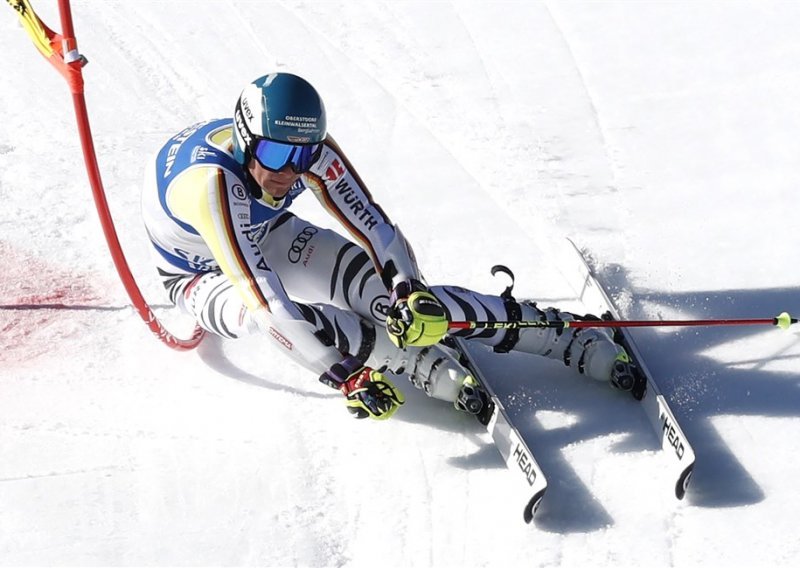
point(337, 266)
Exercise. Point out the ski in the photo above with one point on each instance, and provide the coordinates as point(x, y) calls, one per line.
point(674, 444)
point(529, 479)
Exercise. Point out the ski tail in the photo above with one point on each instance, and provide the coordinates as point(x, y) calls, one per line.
point(529, 480)
point(674, 443)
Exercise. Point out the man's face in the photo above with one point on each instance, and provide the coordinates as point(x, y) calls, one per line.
point(277, 184)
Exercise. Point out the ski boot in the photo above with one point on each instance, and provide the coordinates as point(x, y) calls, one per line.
point(439, 371)
point(626, 376)
point(473, 399)
point(622, 373)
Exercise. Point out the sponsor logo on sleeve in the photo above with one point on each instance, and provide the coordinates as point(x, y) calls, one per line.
point(277, 336)
point(349, 200)
point(334, 171)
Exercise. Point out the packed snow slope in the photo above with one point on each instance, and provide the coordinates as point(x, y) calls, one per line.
point(661, 137)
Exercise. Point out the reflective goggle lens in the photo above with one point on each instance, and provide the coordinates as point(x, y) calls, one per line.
point(276, 155)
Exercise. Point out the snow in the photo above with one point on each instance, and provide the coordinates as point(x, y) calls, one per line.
point(660, 136)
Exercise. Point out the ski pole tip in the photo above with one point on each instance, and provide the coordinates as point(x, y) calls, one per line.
point(784, 320)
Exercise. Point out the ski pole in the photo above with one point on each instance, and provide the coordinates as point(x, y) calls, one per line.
point(783, 321)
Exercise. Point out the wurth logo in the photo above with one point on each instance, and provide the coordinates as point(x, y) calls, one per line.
point(352, 201)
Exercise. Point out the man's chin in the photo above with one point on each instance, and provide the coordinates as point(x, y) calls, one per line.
point(277, 192)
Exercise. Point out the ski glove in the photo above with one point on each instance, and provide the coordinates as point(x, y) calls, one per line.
point(368, 392)
point(416, 317)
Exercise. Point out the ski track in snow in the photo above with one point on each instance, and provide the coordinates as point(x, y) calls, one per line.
point(642, 139)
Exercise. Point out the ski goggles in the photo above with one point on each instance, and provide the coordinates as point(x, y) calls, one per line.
point(276, 155)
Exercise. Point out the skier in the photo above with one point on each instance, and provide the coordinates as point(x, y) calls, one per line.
point(231, 254)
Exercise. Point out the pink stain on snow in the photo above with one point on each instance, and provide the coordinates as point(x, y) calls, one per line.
point(37, 290)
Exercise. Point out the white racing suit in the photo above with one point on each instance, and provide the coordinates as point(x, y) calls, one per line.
point(240, 263)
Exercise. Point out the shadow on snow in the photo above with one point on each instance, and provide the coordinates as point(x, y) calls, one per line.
point(698, 387)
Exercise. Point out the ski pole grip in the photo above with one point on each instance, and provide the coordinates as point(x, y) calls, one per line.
point(784, 320)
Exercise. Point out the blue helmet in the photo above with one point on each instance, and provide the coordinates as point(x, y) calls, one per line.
point(280, 107)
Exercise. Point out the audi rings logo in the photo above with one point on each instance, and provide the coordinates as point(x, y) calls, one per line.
point(299, 244)
point(379, 308)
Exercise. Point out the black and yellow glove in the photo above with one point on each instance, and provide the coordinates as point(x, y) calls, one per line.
point(369, 394)
point(416, 317)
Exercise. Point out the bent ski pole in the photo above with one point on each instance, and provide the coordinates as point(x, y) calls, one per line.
point(782, 321)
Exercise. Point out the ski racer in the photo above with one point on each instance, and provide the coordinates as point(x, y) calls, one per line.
point(231, 254)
